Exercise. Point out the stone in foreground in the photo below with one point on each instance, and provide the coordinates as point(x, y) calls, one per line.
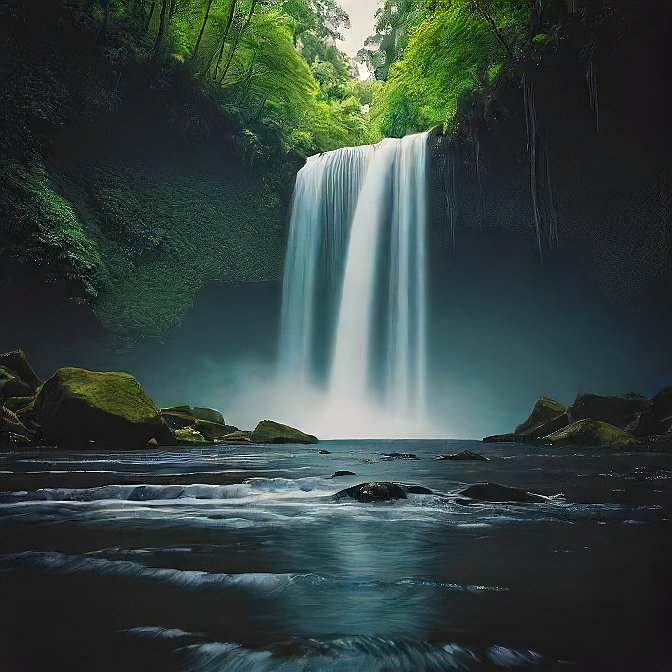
point(590, 433)
point(380, 491)
point(268, 431)
point(76, 407)
point(494, 492)
point(464, 455)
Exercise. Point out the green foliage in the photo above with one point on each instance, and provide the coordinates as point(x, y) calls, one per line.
point(443, 50)
point(271, 64)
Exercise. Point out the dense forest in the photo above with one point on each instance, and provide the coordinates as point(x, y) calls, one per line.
point(274, 66)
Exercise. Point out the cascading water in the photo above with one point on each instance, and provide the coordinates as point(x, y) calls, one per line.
point(354, 306)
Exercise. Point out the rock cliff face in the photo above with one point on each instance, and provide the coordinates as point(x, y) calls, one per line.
point(570, 154)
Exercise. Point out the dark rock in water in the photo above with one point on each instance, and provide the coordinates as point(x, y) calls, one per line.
point(590, 433)
point(621, 410)
point(76, 407)
point(373, 492)
point(547, 416)
point(658, 419)
point(398, 456)
point(417, 490)
point(464, 455)
point(17, 363)
point(268, 431)
point(206, 421)
point(381, 491)
point(344, 472)
point(324, 452)
point(494, 492)
point(212, 431)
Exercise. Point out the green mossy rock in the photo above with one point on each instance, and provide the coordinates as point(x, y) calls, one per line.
point(547, 416)
point(190, 436)
point(620, 410)
point(268, 431)
point(76, 407)
point(17, 363)
point(214, 430)
point(590, 433)
point(12, 386)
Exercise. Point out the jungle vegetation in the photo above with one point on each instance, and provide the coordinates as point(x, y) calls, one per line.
point(275, 67)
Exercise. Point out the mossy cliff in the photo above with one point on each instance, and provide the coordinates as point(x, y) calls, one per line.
point(124, 188)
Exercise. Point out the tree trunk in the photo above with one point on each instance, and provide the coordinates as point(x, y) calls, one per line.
point(243, 28)
point(200, 35)
point(229, 21)
point(162, 25)
point(150, 15)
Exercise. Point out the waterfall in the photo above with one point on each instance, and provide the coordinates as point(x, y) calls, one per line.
point(354, 304)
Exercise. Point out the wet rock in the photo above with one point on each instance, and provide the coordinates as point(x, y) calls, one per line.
point(190, 436)
point(622, 410)
point(658, 419)
point(464, 455)
point(17, 363)
point(373, 492)
point(398, 456)
point(416, 490)
point(76, 407)
point(343, 472)
point(547, 416)
point(268, 431)
point(494, 492)
point(590, 433)
point(324, 452)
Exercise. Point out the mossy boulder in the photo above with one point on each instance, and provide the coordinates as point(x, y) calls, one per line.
point(621, 410)
point(76, 407)
point(190, 436)
point(590, 433)
point(206, 421)
point(17, 363)
point(547, 416)
point(268, 431)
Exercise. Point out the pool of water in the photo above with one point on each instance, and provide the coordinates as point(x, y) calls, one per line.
point(239, 558)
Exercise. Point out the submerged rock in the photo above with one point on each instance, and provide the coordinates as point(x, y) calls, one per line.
point(494, 492)
point(464, 455)
point(621, 410)
point(590, 433)
point(380, 491)
point(343, 472)
point(547, 416)
point(268, 431)
point(324, 452)
point(76, 407)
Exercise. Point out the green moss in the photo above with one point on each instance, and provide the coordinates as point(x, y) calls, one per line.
point(119, 394)
point(590, 433)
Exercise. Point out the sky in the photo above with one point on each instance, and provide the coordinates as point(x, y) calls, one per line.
point(361, 14)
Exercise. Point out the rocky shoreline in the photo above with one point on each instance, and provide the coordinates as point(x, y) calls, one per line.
point(77, 408)
point(597, 420)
